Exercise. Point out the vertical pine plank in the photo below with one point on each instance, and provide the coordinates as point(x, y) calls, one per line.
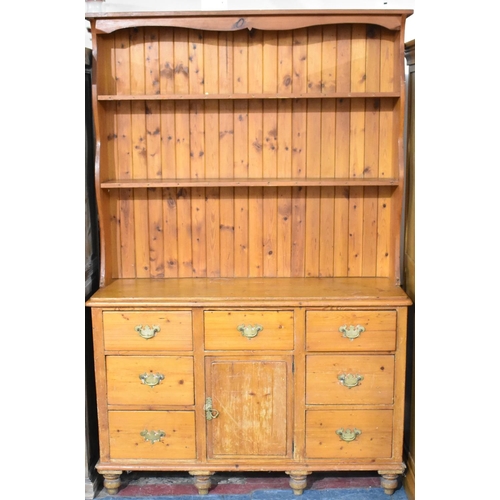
point(284, 156)
point(170, 232)
point(372, 124)
point(328, 144)
point(226, 148)
point(357, 150)
point(122, 212)
point(389, 221)
point(384, 249)
point(211, 74)
point(341, 209)
point(197, 152)
point(153, 147)
point(313, 213)
point(314, 59)
point(355, 256)
point(240, 82)
point(139, 152)
point(387, 61)
point(181, 86)
point(299, 138)
point(369, 247)
point(328, 59)
point(255, 156)
point(168, 142)
point(342, 149)
point(106, 67)
point(313, 151)
point(373, 67)
point(343, 58)
point(388, 157)
point(269, 156)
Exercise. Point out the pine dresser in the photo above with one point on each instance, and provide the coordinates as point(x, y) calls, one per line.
point(250, 179)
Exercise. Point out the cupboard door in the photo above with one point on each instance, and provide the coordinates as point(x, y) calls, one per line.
point(252, 396)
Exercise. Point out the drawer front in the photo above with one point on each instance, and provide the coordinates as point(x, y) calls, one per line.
point(351, 330)
point(347, 434)
point(150, 380)
point(148, 330)
point(254, 330)
point(152, 434)
point(349, 379)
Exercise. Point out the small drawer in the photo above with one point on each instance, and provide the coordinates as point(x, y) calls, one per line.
point(147, 330)
point(349, 379)
point(351, 330)
point(150, 380)
point(255, 330)
point(347, 434)
point(152, 435)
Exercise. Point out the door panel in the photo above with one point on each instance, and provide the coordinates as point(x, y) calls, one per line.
point(253, 398)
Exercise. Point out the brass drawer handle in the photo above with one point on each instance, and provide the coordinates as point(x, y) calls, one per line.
point(347, 435)
point(349, 380)
point(151, 379)
point(152, 436)
point(210, 413)
point(351, 332)
point(147, 332)
point(250, 331)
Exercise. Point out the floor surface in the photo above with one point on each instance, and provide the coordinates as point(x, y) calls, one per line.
point(251, 486)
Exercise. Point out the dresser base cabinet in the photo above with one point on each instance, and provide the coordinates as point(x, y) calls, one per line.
point(204, 379)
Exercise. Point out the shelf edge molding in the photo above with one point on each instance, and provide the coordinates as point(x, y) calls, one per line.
point(264, 20)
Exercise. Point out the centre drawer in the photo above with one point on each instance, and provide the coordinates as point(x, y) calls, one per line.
point(255, 330)
point(150, 380)
point(351, 331)
point(147, 330)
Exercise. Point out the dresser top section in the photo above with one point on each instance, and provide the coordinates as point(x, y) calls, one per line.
point(245, 292)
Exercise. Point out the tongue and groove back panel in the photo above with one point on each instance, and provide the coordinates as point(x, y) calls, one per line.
point(267, 141)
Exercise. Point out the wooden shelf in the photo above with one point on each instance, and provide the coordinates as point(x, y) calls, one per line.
point(258, 182)
point(232, 96)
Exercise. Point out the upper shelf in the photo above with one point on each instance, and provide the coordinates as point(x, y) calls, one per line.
point(254, 182)
point(254, 95)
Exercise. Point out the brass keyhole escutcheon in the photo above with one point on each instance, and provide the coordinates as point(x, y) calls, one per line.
point(210, 413)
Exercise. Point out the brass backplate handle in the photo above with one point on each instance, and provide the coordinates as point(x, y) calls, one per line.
point(349, 380)
point(147, 332)
point(351, 332)
point(348, 434)
point(151, 379)
point(152, 436)
point(210, 413)
point(250, 331)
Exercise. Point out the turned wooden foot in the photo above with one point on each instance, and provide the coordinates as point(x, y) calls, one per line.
point(112, 481)
point(389, 481)
point(202, 481)
point(298, 481)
